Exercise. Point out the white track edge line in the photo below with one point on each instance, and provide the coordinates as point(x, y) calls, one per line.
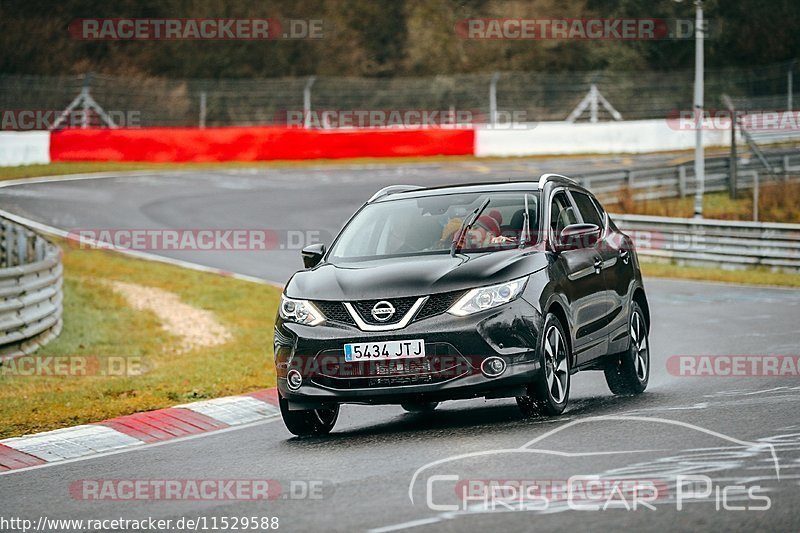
point(44, 228)
point(145, 446)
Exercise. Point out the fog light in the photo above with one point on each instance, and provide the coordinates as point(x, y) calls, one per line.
point(493, 366)
point(294, 379)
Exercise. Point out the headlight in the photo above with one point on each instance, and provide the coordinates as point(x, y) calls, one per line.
point(488, 297)
point(300, 311)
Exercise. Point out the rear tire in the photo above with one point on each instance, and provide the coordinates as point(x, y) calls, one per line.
point(308, 422)
point(550, 393)
point(420, 407)
point(628, 373)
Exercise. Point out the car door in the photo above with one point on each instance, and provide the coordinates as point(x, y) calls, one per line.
point(581, 283)
point(618, 273)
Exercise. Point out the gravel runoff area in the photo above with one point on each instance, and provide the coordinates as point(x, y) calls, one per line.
point(196, 328)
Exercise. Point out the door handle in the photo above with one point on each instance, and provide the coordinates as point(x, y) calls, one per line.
point(625, 256)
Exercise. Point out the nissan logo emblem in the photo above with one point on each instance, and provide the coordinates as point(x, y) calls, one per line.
point(382, 311)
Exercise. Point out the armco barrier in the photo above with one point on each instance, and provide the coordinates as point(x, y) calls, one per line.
point(30, 290)
point(720, 243)
point(650, 183)
point(254, 144)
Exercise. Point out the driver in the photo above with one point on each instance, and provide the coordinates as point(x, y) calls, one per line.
point(485, 231)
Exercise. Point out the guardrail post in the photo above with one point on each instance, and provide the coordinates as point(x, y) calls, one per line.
point(22, 247)
point(629, 179)
point(682, 181)
point(39, 249)
point(8, 229)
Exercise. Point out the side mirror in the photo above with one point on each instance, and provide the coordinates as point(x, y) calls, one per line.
point(312, 254)
point(577, 236)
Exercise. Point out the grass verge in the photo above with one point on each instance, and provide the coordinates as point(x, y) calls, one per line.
point(100, 327)
point(754, 276)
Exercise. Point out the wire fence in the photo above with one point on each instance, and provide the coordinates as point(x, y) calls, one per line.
point(536, 96)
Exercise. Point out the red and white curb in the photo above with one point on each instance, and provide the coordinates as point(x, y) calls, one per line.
point(137, 430)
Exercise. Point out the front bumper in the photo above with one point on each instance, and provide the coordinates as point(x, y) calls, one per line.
point(455, 348)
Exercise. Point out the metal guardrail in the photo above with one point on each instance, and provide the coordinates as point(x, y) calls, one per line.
point(721, 243)
point(652, 183)
point(30, 290)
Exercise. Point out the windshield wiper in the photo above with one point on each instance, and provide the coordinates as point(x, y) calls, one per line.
point(465, 227)
point(526, 225)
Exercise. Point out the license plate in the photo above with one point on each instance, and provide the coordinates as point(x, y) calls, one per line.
point(377, 351)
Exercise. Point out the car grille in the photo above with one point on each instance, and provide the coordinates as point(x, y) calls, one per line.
point(401, 307)
point(442, 362)
point(436, 304)
point(335, 311)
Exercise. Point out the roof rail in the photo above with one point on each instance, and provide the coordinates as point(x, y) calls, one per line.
point(547, 177)
point(392, 189)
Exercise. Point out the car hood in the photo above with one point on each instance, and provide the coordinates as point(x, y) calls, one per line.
point(412, 276)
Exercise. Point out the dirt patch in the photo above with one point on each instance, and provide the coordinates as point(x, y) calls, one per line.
point(196, 328)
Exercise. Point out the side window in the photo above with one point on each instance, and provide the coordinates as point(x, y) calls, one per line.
point(561, 213)
point(587, 209)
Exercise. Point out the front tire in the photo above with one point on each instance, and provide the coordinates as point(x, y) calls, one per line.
point(308, 422)
point(550, 393)
point(628, 373)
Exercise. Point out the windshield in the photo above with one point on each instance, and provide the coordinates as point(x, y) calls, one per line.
point(436, 224)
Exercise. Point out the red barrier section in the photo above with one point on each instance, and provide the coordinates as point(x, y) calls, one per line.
point(253, 144)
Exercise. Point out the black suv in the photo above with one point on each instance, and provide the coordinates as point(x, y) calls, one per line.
point(492, 290)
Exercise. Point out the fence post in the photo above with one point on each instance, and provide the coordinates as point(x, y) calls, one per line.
point(307, 101)
point(202, 109)
point(755, 195)
point(593, 104)
point(682, 181)
point(493, 98)
point(87, 81)
point(732, 174)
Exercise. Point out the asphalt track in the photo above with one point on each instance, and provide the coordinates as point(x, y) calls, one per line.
point(738, 431)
